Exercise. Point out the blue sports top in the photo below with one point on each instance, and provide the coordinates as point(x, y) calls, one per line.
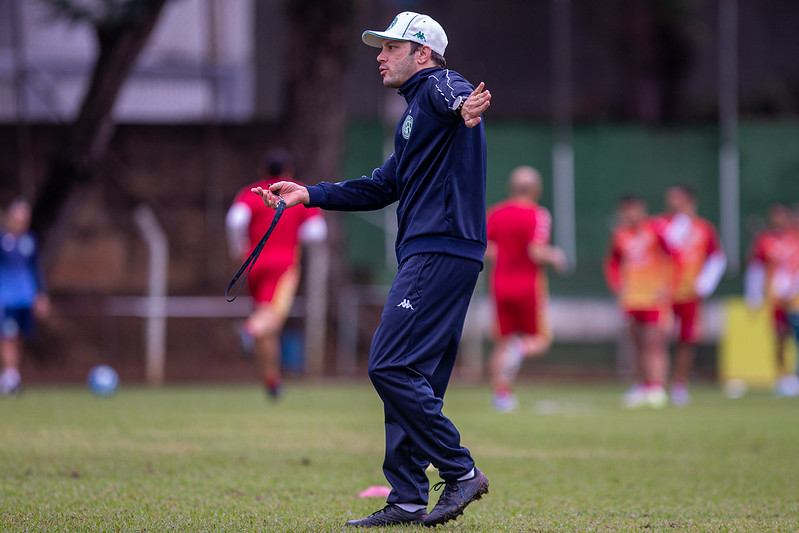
point(20, 278)
point(437, 173)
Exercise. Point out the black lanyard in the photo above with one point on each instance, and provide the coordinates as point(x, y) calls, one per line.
point(281, 206)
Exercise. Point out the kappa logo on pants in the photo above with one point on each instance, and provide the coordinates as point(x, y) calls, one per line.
point(405, 304)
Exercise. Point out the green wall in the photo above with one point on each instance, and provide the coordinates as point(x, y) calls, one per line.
point(610, 159)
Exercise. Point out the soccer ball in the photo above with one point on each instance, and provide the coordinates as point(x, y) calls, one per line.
point(103, 380)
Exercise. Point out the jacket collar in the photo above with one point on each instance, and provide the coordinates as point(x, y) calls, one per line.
point(410, 87)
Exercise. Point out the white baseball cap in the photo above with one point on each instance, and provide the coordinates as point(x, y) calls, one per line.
point(410, 26)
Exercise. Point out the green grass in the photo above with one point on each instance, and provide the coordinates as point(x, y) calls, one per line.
point(224, 459)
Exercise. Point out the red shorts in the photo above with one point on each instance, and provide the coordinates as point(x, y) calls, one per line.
point(781, 324)
point(274, 287)
point(690, 316)
point(647, 316)
point(522, 316)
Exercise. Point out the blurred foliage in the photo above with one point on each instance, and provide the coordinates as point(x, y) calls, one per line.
point(107, 14)
point(122, 28)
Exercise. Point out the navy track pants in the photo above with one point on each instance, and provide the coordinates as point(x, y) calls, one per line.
point(411, 359)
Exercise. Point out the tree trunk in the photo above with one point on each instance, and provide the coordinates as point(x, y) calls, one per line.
point(316, 119)
point(84, 146)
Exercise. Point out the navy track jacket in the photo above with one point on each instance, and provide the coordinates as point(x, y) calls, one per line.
point(437, 173)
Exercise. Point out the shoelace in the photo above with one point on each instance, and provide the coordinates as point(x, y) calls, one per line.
point(440, 484)
point(449, 486)
point(383, 510)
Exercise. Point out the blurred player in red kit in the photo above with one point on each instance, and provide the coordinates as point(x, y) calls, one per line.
point(774, 254)
point(701, 265)
point(789, 288)
point(519, 246)
point(639, 269)
point(274, 278)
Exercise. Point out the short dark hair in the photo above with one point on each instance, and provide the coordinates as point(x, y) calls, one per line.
point(437, 58)
point(19, 201)
point(630, 198)
point(687, 189)
point(275, 162)
point(778, 206)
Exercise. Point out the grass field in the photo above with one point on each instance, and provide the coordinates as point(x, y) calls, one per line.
point(224, 459)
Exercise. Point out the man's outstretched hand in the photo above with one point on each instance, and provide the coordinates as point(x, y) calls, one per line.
point(475, 105)
point(292, 194)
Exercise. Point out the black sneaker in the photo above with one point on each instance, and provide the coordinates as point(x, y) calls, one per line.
point(389, 515)
point(274, 391)
point(456, 496)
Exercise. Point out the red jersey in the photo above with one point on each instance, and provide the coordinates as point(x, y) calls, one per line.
point(700, 242)
point(283, 248)
point(639, 267)
point(779, 253)
point(512, 226)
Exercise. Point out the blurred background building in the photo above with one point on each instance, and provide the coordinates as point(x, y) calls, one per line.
point(603, 97)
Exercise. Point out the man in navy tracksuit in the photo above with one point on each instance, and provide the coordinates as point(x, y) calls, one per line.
point(437, 175)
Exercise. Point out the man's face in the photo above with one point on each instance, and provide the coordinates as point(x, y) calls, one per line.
point(632, 213)
point(397, 64)
point(677, 201)
point(779, 217)
point(18, 218)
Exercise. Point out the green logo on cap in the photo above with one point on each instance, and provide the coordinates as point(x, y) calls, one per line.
point(419, 35)
point(407, 126)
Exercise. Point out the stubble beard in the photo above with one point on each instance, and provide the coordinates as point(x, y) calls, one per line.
point(400, 73)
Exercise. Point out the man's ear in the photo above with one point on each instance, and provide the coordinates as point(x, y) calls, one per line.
point(424, 54)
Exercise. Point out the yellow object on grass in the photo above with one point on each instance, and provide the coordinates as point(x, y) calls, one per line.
point(747, 347)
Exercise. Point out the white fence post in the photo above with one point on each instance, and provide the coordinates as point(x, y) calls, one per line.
point(157, 278)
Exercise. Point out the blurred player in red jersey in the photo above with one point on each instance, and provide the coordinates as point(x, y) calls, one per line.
point(274, 278)
point(702, 263)
point(774, 254)
point(518, 234)
point(790, 289)
point(639, 269)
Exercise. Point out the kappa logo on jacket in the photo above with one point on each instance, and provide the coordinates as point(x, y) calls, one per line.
point(405, 304)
